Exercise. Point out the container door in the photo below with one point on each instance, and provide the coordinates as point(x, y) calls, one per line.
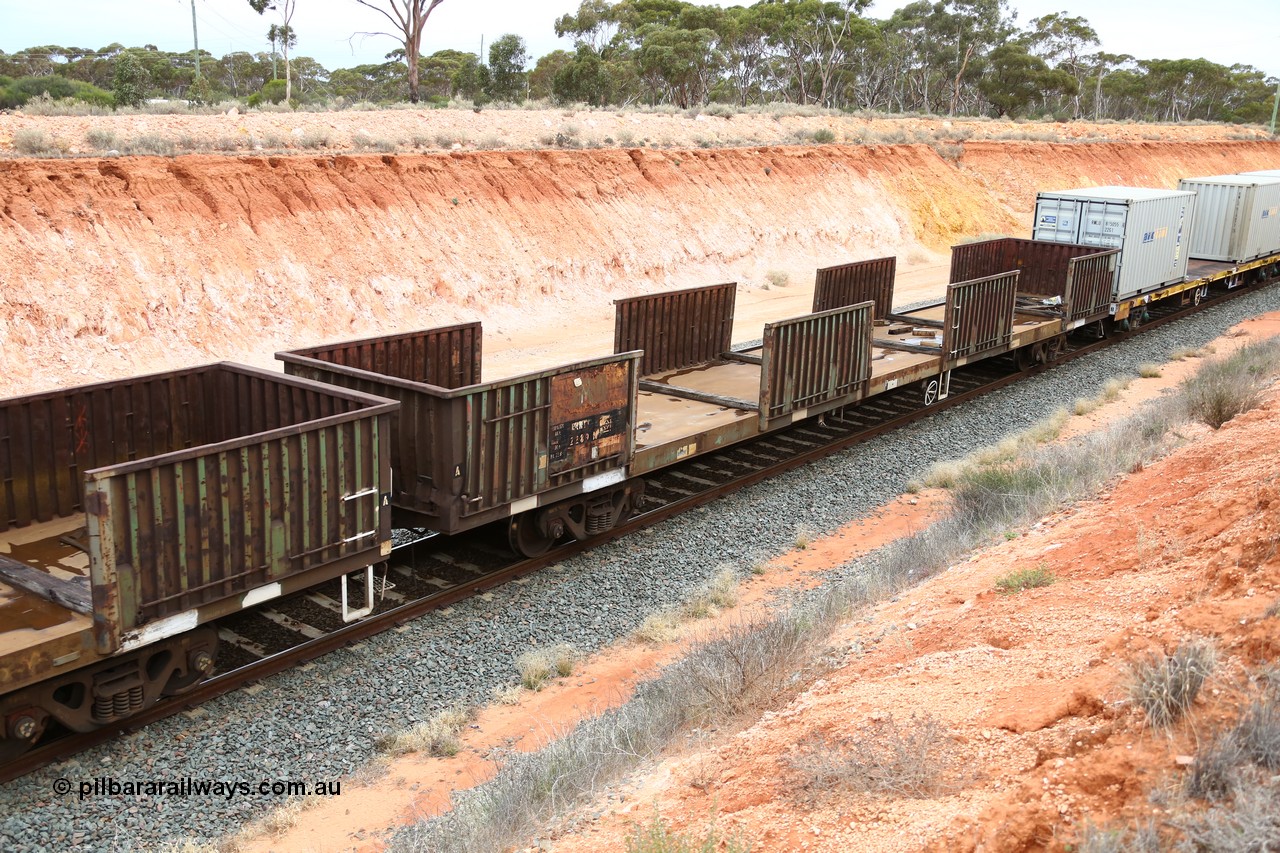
point(1103, 224)
point(1056, 220)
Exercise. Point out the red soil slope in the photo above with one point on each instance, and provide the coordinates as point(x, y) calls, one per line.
point(114, 266)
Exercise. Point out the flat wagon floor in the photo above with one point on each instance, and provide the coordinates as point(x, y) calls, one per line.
point(27, 620)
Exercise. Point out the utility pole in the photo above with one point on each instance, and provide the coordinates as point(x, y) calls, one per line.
point(195, 37)
point(1275, 107)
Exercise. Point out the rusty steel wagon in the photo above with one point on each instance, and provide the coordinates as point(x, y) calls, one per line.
point(134, 512)
point(562, 451)
point(547, 451)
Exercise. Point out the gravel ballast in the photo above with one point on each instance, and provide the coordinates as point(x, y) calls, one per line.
point(321, 722)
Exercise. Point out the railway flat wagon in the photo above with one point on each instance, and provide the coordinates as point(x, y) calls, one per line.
point(1237, 217)
point(708, 394)
point(699, 393)
point(1150, 227)
point(1004, 295)
point(547, 451)
point(1071, 281)
point(133, 512)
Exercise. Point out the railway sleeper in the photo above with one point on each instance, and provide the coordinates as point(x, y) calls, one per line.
point(106, 693)
point(532, 533)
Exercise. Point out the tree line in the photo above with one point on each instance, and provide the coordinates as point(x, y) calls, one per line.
point(941, 57)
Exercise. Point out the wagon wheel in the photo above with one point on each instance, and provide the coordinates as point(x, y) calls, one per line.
point(1029, 357)
point(186, 681)
point(526, 537)
point(931, 392)
point(1197, 295)
point(1022, 358)
point(179, 684)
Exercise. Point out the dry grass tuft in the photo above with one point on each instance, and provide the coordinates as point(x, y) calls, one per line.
point(539, 666)
point(717, 594)
point(284, 818)
point(657, 837)
point(35, 143)
point(1139, 838)
point(910, 760)
point(946, 474)
point(1231, 386)
point(439, 736)
point(315, 137)
point(1250, 821)
point(508, 694)
point(362, 141)
point(658, 628)
point(1165, 686)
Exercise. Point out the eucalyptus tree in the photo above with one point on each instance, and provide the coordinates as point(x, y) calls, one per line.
point(1015, 79)
point(508, 56)
point(914, 45)
point(1183, 89)
point(281, 33)
point(595, 25)
point(745, 47)
point(975, 28)
point(1101, 65)
point(677, 63)
point(130, 79)
point(814, 38)
point(1063, 40)
point(1250, 96)
point(408, 19)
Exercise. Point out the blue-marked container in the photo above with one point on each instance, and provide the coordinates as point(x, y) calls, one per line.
point(1237, 217)
point(1151, 228)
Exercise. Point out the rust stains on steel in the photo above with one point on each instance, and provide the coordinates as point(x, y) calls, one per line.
point(589, 416)
point(678, 329)
point(851, 284)
point(198, 485)
point(448, 357)
point(1081, 276)
point(461, 456)
point(817, 360)
point(978, 317)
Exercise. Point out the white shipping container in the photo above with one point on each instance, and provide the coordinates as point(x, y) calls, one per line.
point(1149, 227)
point(1265, 173)
point(1237, 217)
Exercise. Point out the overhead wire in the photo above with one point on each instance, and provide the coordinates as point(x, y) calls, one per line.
point(243, 33)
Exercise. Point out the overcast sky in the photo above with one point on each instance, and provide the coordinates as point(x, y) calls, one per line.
point(1223, 31)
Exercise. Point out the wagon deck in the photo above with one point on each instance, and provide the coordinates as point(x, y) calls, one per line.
point(44, 549)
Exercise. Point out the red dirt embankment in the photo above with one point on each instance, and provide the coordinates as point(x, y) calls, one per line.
point(117, 266)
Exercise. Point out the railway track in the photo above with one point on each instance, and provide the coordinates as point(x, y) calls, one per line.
point(427, 572)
